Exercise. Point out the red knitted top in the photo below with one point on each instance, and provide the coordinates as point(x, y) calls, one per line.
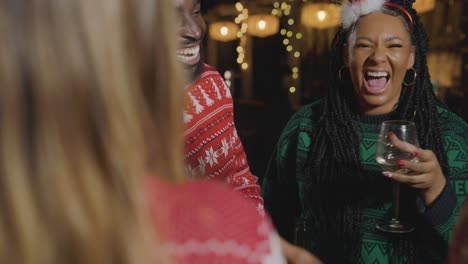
point(213, 149)
point(205, 222)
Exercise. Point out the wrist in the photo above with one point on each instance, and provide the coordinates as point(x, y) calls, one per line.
point(430, 194)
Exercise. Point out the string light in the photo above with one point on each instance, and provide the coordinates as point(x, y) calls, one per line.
point(283, 9)
point(242, 20)
point(227, 78)
point(239, 6)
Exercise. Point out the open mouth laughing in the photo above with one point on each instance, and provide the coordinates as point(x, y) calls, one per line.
point(376, 81)
point(189, 56)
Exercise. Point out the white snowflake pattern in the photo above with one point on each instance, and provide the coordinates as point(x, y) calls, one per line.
point(208, 100)
point(225, 148)
point(211, 156)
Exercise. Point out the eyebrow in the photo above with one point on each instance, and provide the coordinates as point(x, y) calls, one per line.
point(370, 40)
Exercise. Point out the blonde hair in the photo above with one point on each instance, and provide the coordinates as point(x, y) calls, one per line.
point(88, 91)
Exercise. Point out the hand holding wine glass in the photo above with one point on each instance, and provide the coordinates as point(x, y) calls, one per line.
point(422, 172)
point(396, 144)
point(403, 161)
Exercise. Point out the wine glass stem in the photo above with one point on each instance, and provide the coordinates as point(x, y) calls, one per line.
point(396, 200)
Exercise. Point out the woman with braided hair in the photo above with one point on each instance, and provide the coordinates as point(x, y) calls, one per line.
point(324, 188)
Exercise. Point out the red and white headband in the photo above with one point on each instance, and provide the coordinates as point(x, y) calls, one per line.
point(354, 9)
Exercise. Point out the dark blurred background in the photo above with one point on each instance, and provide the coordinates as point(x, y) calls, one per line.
point(279, 62)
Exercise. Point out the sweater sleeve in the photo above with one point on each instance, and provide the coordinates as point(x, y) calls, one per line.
point(444, 212)
point(241, 179)
point(213, 149)
point(440, 211)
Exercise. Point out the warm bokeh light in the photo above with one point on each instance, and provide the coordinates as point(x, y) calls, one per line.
point(262, 25)
point(423, 6)
point(223, 31)
point(227, 75)
point(239, 6)
point(321, 15)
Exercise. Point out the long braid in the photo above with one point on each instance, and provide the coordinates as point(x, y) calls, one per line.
point(334, 154)
point(335, 183)
point(418, 103)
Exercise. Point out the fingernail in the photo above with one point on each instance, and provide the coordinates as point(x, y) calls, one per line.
point(415, 153)
point(387, 174)
point(401, 163)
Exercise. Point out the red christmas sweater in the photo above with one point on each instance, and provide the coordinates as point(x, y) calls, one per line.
point(213, 149)
point(207, 223)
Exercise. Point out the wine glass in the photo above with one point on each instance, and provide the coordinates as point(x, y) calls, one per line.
point(388, 155)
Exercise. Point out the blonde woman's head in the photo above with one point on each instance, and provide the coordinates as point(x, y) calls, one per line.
point(89, 105)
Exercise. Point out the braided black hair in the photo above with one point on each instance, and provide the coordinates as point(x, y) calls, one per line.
point(336, 186)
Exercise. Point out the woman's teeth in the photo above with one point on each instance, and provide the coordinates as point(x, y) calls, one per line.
point(189, 54)
point(377, 74)
point(376, 81)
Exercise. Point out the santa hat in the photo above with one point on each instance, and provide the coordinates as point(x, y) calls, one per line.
point(353, 9)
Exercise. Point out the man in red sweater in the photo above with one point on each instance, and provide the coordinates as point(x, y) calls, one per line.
point(213, 149)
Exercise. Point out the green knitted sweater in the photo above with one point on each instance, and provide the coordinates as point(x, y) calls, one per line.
point(283, 188)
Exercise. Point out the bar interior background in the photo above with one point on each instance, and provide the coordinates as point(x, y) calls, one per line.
point(275, 59)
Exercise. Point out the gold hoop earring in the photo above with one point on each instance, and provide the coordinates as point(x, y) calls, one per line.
point(339, 72)
point(414, 79)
